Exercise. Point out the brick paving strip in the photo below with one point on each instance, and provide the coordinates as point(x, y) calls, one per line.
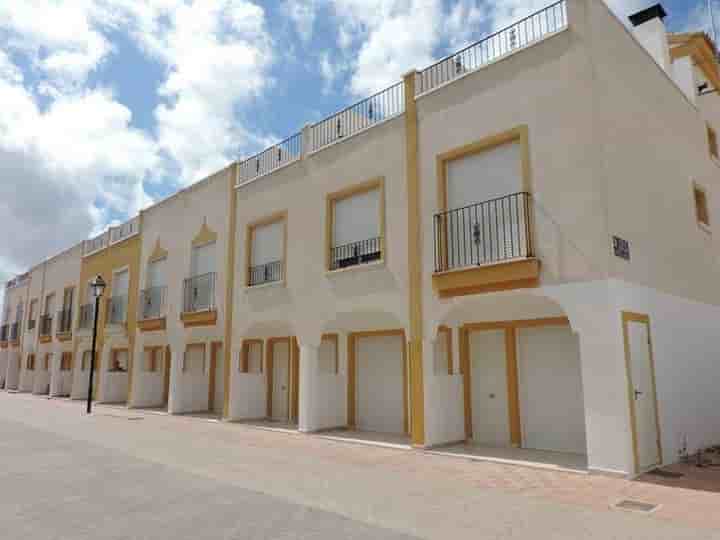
point(376, 485)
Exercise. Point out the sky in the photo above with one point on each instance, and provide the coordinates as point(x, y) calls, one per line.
point(110, 105)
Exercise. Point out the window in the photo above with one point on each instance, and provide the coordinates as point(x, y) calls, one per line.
point(328, 354)
point(119, 360)
point(701, 206)
point(47, 361)
point(30, 365)
point(49, 304)
point(117, 304)
point(153, 358)
point(712, 142)
point(251, 356)
point(153, 297)
point(356, 225)
point(194, 359)
point(266, 245)
point(32, 314)
point(66, 361)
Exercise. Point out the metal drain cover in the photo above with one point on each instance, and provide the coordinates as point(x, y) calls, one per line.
point(636, 506)
point(135, 418)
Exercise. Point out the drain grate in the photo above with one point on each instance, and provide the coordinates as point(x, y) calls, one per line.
point(636, 506)
point(135, 418)
point(665, 474)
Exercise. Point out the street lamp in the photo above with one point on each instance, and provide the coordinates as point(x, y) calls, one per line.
point(98, 288)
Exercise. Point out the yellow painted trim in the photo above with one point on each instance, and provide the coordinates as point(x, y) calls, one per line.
point(447, 332)
point(3, 344)
point(275, 217)
point(230, 287)
point(204, 236)
point(627, 317)
point(158, 254)
point(405, 388)
point(345, 193)
point(64, 337)
point(199, 318)
point(151, 325)
point(464, 346)
point(699, 47)
point(513, 387)
point(269, 377)
point(333, 337)
point(294, 379)
point(45, 339)
point(214, 346)
point(517, 274)
point(167, 366)
point(351, 381)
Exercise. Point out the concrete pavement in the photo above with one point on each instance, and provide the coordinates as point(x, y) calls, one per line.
point(127, 474)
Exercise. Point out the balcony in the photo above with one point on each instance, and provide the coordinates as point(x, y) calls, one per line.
point(87, 316)
point(485, 247)
point(64, 326)
point(96, 244)
point(151, 310)
point(199, 301)
point(356, 253)
point(124, 231)
point(46, 328)
point(117, 311)
point(266, 273)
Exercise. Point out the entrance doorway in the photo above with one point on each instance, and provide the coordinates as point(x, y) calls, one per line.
point(282, 363)
point(642, 393)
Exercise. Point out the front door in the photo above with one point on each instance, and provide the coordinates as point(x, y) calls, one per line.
point(280, 380)
point(489, 385)
point(642, 392)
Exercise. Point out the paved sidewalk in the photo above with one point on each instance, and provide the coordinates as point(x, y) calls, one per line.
point(391, 491)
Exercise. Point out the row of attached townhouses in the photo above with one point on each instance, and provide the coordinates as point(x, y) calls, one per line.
point(514, 248)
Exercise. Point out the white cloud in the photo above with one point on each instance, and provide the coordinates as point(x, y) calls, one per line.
point(302, 13)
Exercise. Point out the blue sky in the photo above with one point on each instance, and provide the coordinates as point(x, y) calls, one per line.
point(110, 105)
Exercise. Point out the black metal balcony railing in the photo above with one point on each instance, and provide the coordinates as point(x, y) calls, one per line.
point(520, 34)
point(87, 315)
point(483, 233)
point(199, 293)
point(265, 273)
point(152, 303)
point(354, 253)
point(14, 331)
point(64, 318)
point(271, 158)
point(117, 310)
point(4, 331)
point(46, 325)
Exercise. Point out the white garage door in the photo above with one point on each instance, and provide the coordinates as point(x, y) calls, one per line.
point(380, 384)
point(490, 421)
point(550, 384)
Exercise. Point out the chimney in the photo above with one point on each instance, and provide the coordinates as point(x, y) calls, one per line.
point(649, 30)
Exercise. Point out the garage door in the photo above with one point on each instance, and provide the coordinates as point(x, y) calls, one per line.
point(552, 412)
point(380, 384)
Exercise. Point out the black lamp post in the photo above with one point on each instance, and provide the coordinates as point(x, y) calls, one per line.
point(98, 288)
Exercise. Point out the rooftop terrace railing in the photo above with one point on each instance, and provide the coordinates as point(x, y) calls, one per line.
point(96, 244)
point(516, 36)
point(126, 230)
point(272, 158)
point(360, 116)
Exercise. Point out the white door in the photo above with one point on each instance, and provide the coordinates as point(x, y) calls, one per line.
point(552, 409)
point(281, 381)
point(488, 378)
point(643, 394)
point(380, 382)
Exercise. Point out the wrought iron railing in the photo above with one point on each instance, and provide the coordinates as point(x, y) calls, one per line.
point(64, 318)
point(152, 303)
point(96, 244)
point(354, 253)
point(265, 273)
point(362, 115)
point(46, 325)
point(87, 316)
point(271, 158)
point(516, 36)
point(199, 293)
point(483, 233)
point(4, 331)
point(14, 331)
point(117, 309)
